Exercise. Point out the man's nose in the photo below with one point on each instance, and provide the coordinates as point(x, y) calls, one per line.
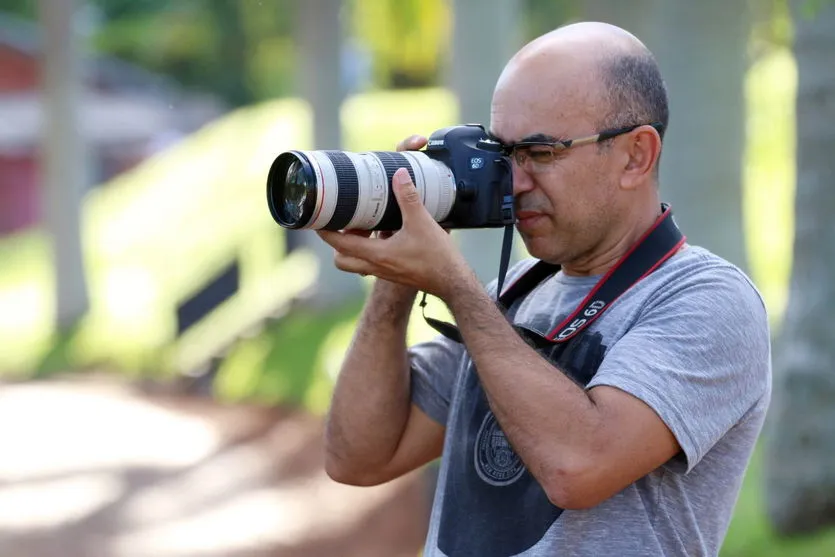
point(522, 181)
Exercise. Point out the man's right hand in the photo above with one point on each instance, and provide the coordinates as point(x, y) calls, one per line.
point(387, 289)
point(374, 433)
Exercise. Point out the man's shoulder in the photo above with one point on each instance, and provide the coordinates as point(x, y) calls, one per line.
point(696, 269)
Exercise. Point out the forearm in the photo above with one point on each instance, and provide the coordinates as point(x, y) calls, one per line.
point(371, 399)
point(549, 420)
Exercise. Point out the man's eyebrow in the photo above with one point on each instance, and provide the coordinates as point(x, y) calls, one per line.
point(533, 138)
point(538, 138)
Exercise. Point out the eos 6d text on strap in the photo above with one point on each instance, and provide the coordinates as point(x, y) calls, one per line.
point(657, 245)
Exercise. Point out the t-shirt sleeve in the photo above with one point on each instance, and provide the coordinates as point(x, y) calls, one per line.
point(434, 366)
point(698, 355)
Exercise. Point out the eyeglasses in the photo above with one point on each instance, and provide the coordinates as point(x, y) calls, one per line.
point(537, 156)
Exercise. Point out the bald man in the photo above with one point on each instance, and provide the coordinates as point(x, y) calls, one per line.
point(627, 435)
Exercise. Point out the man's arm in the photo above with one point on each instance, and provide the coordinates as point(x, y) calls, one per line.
point(373, 432)
point(582, 447)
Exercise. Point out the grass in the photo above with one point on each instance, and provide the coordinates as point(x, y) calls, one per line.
point(750, 534)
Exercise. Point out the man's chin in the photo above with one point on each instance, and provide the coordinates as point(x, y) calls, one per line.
point(539, 246)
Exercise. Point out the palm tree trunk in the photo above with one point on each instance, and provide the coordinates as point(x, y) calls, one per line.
point(801, 438)
point(320, 37)
point(476, 65)
point(64, 161)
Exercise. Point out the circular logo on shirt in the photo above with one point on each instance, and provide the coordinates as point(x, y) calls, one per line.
point(495, 460)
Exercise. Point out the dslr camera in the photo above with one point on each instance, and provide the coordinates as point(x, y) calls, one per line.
point(463, 177)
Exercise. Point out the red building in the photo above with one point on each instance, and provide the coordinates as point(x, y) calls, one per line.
point(126, 114)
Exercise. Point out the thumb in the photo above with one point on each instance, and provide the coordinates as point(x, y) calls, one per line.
point(406, 193)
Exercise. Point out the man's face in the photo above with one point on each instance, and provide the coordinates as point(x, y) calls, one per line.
point(564, 207)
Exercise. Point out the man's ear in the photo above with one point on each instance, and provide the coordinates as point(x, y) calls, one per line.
point(643, 149)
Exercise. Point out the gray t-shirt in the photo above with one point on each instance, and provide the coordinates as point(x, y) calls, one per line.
point(691, 340)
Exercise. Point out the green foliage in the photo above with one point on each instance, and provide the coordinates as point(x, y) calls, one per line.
point(810, 8)
point(246, 51)
point(286, 362)
point(772, 28)
point(241, 51)
point(409, 39)
point(21, 8)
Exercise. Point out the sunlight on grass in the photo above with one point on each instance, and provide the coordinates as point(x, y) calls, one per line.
point(288, 362)
point(26, 308)
point(154, 236)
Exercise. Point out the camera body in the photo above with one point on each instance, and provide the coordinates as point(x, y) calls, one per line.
point(483, 177)
point(463, 177)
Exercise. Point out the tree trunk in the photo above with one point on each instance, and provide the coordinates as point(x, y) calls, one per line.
point(704, 63)
point(486, 34)
point(64, 157)
point(801, 439)
point(320, 37)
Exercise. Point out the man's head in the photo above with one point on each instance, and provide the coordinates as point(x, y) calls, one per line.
point(579, 194)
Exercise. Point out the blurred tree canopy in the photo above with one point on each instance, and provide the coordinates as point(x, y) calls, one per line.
point(245, 51)
point(241, 51)
point(408, 39)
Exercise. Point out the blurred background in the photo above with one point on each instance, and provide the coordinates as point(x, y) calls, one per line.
point(167, 351)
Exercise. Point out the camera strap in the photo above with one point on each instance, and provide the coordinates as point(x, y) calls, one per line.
point(657, 245)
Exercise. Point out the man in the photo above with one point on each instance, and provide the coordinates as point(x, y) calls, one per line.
point(631, 438)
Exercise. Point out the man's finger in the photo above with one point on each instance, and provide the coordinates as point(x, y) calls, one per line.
point(406, 194)
point(360, 233)
point(412, 143)
point(348, 244)
point(353, 264)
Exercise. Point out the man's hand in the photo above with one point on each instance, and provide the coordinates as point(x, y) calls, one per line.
point(421, 254)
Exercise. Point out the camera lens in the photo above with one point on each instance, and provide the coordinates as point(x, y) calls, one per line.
point(338, 190)
point(295, 193)
point(291, 190)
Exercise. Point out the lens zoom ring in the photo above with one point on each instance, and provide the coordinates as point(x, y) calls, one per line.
point(392, 219)
point(348, 190)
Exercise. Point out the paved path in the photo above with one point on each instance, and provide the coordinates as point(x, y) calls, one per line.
point(100, 470)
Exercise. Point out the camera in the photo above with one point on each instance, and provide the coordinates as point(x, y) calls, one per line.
point(463, 177)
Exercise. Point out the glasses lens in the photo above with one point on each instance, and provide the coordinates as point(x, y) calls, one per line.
point(534, 155)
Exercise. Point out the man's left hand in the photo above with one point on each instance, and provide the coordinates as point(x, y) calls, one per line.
point(421, 254)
